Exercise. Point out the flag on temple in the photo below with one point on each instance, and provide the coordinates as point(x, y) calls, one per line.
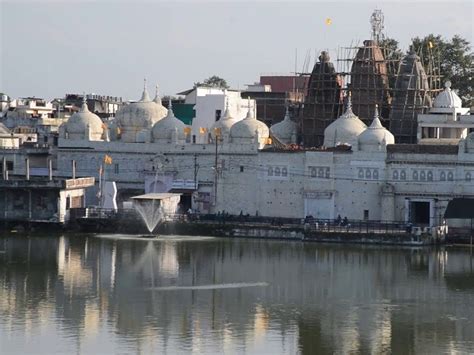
point(107, 159)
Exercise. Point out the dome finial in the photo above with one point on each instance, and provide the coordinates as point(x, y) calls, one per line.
point(145, 96)
point(348, 101)
point(376, 121)
point(170, 108)
point(84, 107)
point(226, 112)
point(157, 98)
point(287, 110)
point(249, 112)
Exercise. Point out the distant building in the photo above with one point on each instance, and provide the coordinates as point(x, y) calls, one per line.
point(273, 92)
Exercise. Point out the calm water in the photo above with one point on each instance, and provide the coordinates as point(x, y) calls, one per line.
point(117, 294)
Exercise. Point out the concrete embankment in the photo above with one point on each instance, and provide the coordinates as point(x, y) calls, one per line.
point(300, 233)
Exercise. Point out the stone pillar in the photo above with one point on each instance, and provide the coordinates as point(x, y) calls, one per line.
point(73, 165)
point(4, 168)
point(388, 203)
point(50, 169)
point(27, 169)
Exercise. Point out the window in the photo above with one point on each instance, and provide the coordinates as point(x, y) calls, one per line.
point(366, 215)
point(442, 176)
point(415, 175)
point(375, 174)
point(194, 139)
point(327, 173)
point(368, 174)
point(277, 171)
point(320, 172)
point(422, 176)
point(116, 168)
point(284, 172)
point(313, 171)
point(430, 176)
point(361, 173)
point(241, 168)
point(270, 171)
point(450, 176)
point(468, 176)
point(218, 115)
point(403, 175)
point(395, 175)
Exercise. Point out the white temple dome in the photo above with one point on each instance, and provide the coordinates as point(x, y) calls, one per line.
point(345, 129)
point(250, 128)
point(137, 116)
point(224, 124)
point(375, 136)
point(170, 126)
point(84, 125)
point(447, 98)
point(285, 131)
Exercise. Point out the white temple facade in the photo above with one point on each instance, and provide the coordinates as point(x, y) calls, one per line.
point(361, 173)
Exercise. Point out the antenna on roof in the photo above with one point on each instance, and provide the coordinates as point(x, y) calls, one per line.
point(377, 24)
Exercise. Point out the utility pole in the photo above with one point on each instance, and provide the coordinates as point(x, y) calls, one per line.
point(215, 174)
point(195, 171)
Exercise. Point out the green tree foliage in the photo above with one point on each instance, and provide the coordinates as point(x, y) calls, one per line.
point(453, 58)
point(393, 55)
point(213, 82)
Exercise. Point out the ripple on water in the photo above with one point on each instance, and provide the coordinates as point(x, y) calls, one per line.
point(210, 287)
point(157, 238)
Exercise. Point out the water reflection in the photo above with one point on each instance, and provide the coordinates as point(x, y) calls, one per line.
point(103, 295)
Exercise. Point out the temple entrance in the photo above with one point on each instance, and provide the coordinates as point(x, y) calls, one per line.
point(420, 212)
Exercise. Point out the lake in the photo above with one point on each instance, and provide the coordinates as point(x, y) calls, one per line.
point(100, 294)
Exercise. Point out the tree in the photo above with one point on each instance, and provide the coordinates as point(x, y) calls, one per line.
point(213, 82)
point(392, 54)
point(453, 58)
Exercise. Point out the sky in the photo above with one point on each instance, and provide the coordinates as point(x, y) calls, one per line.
point(50, 48)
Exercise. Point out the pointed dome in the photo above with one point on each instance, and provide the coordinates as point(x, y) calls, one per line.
point(345, 129)
point(285, 131)
point(248, 129)
point(376, 135)
point(224, 124)
point(82, 122)
point(137, 116)
point(447, 98)
point(157, 99)
point(164, 129)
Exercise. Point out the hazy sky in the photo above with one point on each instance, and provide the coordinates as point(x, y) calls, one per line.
point(49, 48)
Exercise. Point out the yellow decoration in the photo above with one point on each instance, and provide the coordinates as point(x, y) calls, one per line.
point(328, 21)
point(217, 131)
point(269, 141)
point(187, 130)
point(119, 131)
point(430, 44)
point(107, 159)
point(202, 130)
